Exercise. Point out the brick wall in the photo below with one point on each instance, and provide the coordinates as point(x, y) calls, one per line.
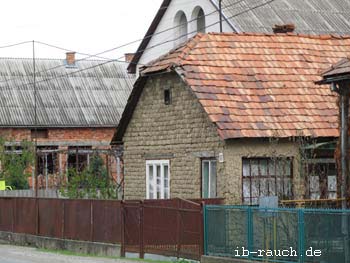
point(62, 135)
point(98, 138)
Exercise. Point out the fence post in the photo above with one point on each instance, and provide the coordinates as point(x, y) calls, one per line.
point(13, 214)
point(250, 232)
point(63, 220)
point(122, 225)
point(178, 228)
point(201, 244)
point(142, 252)
point(205, 234)
point(91, 221)
point(37, 216)
point(301, 235)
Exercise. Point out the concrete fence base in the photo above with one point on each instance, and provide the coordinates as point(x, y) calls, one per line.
point(82, 247)
point(49, 193)
point(211, 259)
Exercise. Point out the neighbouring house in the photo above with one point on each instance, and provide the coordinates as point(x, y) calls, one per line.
point(78, 104)
point(236, 116)
point(338, 77)
point(177, 21)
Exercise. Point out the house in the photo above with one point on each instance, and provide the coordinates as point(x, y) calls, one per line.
point(338, 76)
point(78, 104)
point(236, 116)
point(177, 21)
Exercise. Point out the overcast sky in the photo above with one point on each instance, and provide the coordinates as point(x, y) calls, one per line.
point(88, 26)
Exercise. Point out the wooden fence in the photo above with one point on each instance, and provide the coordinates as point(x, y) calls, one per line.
point(171, 227)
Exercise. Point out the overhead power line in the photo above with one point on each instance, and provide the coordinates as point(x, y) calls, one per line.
point(16, 44)
point(159, 44)
point(97, 55)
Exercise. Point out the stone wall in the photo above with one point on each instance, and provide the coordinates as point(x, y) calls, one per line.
point(235, 150)
point(180, 132)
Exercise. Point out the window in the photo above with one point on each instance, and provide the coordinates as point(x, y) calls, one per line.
point(157, 179)
point(209, 178)
point(78, 157)
point(47, 160)
point(198, 17)
point(167, 96)
point(180, 27)
point(266, 177)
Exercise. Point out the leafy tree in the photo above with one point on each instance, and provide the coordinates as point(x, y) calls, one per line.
point(15, 161)
point(93, 182)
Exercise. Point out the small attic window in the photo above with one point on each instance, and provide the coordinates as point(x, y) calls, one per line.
point(167, 96)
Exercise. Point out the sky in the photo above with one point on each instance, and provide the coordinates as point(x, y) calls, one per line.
point(85, 26)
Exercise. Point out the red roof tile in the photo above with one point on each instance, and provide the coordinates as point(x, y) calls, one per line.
point(256, 85)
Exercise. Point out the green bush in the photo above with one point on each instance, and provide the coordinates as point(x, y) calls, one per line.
point(14, 165)
point(92, 182)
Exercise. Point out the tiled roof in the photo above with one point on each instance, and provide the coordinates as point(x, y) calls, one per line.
point(93, 93)
point(308, 16)
point(260, 85)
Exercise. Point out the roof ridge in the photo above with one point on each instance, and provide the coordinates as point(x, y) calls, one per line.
point(191, 44)
point(311, 36)
point(52, 59)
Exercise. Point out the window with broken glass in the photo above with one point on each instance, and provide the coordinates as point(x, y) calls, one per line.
point(320, 171)
point(47, 160)
point(266, 177)
point(78, 157)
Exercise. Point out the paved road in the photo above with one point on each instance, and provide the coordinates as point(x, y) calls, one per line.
point(13, 254)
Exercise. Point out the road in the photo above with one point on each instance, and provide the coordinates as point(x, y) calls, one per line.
point(14, 254)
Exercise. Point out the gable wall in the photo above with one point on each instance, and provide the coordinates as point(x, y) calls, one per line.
point(181, 130)
point(168, 22)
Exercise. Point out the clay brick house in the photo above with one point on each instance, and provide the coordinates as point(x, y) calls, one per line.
point(78, 105)
point(225, 115)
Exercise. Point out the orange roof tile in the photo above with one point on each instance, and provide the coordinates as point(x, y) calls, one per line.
point(260, 85)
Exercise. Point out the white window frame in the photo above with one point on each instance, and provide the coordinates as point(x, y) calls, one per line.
point(209, 161)
point(155, 163)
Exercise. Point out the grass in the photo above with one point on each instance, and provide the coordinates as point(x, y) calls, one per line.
point(70, 253)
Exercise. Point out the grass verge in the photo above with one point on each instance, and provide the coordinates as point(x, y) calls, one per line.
point(69, 253)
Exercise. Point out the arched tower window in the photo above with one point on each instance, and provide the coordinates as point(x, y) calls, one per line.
point(198, 17)
point(180, 24)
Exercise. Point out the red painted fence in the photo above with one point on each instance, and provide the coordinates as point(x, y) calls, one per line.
point(171, 227)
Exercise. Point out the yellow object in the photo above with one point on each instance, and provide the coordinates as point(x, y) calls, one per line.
point(3, 186)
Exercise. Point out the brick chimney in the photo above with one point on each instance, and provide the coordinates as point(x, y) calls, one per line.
point(70, 58)
point(283, 28)
point(129, 56)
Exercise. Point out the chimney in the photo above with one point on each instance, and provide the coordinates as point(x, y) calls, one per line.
point(283, 28)
point(70, 58)
point(129, 57)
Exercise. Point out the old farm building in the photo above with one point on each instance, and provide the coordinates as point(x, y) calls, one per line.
point(78, 105)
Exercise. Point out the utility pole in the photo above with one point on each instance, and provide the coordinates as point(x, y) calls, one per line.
point(220, 14)
point(35, 126)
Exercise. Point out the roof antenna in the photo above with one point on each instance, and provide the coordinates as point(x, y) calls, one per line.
point(35, 126)
point(220, 10)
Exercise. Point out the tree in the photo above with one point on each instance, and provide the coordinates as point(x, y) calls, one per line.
point(93, 182)
point(15, 160)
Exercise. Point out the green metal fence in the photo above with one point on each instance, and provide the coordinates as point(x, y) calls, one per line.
point(277, 235)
